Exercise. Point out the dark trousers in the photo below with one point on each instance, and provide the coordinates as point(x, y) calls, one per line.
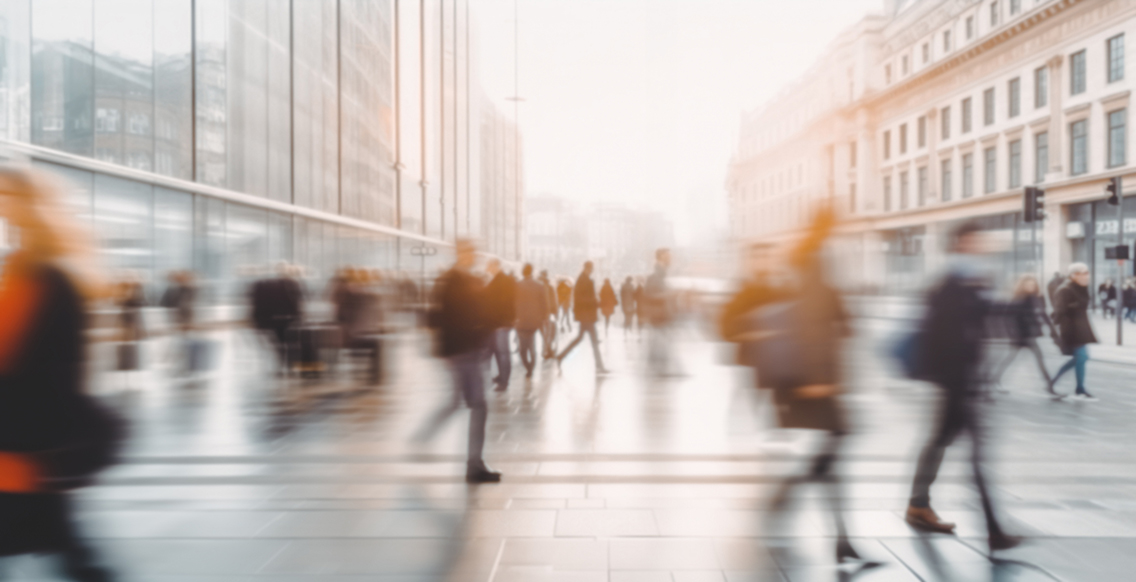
point(499, 348)
point(957, 414)
point(1031, 345)
point(586, 328)
point(527, 339)
point(469, 385)
point(44, 522)
point(821, 471)
point(548, 341)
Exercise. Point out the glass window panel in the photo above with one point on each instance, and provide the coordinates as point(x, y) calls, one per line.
point(124, 83)
point(922, 186)
point(15, 70)
point(211, 261)
point(62, 79)
point(945, 130)
point(279, 237)
point(945, 178)
point(1015, 94)
point(904, 194)
point(173, 233)
point(967, 175)
point(315, 116)
point(1079, 150)
point(246, 245)
point(1116, 58)
point(1041, 87)
point(279, 102)
point(990, 171)
point(966, 115)
point(80, 185)
point(124, 222)
point(212, 115)
point(173, 88)
point(988, 106)
point(1015, 163)
point(1041, 159)
point(1077, 73)
point(887, 193)
point(1117, 138)
point(247, 85)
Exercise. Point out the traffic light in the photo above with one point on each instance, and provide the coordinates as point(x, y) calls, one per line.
point(1034, 204)
point(1113, 190)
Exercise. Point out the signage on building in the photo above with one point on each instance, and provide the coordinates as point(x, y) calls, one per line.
point(1109, 226)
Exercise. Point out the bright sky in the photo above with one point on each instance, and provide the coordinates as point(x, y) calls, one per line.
point(638, 101)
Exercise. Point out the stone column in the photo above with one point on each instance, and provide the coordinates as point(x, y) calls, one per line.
point(1057, 88)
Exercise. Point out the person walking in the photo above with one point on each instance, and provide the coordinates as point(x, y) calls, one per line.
point(459, 318)
point(608, 301)
point(640, 308)
point(501, 308)
point(1071, 314)
point(585, 306)
point(657, 298)
point(951, 351)
point(1024, 317)
point(1107, 295)
point(548, 329)
point(53, 436)
point(564, 300)
point(532, 315)
point(277, 310)
point(627, 300)
point(1128, 298)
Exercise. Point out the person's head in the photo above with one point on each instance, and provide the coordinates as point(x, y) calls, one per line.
point(527, 270)
point(663, 257)
point(465, 254)
point(493, 267)
point(968, 238)
point(1079, 274)
point(544, 275)
point(1027, 285)
point(588, 267)
point(607, 281)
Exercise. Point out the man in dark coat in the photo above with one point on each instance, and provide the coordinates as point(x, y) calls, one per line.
point(954, 331)
point(532, 315)
point(501, 309)
point(460, 321)
point(277, 306)
point(1071, 314)
point(585, 309)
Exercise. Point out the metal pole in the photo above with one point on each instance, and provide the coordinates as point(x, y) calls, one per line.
point(1119, 286)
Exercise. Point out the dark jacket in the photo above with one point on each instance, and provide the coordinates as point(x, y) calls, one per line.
point(181, 298)
point(278, 301)
point(532, 305)
point(1051, 288)
point(1071, 314)
point(564, 294)
point(458, 314)
point(1024, 317)
point(585, 300)
point(608, 301)
point(1129, 295)
point(501, 301)
point(955, 327)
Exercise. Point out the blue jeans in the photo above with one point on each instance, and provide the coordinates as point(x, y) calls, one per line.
point(1078, 361)
point(499, 348)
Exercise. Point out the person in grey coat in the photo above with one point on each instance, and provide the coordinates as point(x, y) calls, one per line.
point(532, 315)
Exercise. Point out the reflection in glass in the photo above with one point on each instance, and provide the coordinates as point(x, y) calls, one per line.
point(247, 84)
point(124, 83)
point(173, 232)
point(79, 184)
point(246, 235)
point(15, 77)
point(123, 222)
point(173, 88)
point(315, 101)
point(212, 109)
point(62, 75)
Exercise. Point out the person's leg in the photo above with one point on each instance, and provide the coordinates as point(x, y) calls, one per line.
point(527, 340)
point(568, 348)
point(1031, 344)
point(468, 374)
point(591, 329)
point(435, 422)
point(951, 418)
point(504, 357)
point(1068, 365)
point(1080, 359)
point(1001, 367)
point(78, 560)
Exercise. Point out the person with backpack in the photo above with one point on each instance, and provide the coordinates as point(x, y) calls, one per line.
point(951, 353)
point(1071, 314)
point(53, 436)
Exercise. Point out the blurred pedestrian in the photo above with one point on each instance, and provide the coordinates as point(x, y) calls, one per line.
point(458, 316)
point(659, 305)
point(130, 298)
point(564, 300)
point(180, 301)
point(1071, 314)
point(585, 306)
point(627, 299)
point(1052, 285)
point(532, 315)
point(501, 309)
point(640, 308)
point(1106, 293)
point(548, 329)
point(1128, 297)
point(608, 301)
point(277, 311)
point(53, 437)
point(954, 331)
point(1023, 318)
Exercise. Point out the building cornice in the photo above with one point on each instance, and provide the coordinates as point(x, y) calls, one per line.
point(1115, 100)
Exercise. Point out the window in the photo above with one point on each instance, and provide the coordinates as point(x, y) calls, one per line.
point(1117, 138)
point(887, 145)
point(903, 192)
point(887, 193)
point(990, 156)
point(945, 122)
point(106, 120)
point(1041, 157)
point(994, 14)
point(1077, 73)
point(903, 139)
point(852, 154)
point(922, 131)
point(904, 68)
point(946, 41)
point(1116, 58)
point(921, 187)
point(926, 53)
point(1040, 87)
point(1015, 94)
point(852, 198)
point(887, 74)
point(967, 175)
point(988, 107)
point(966, 115)
point(1015, 6)
point(1078, 152)
point(1015, 163)
point(945, 180)
point(969, 27)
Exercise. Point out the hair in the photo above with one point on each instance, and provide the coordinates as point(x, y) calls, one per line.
point(961, 231)
point(1077, 268)
point(660, 252)
point(1020, 286)
point(52, 233)
point(527, 270)
point(587, 264)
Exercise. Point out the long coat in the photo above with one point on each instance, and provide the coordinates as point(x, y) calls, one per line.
point(1071, 314)
point(608, 301)
point(585, 300)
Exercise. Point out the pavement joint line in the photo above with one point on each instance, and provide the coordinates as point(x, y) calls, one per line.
point(587, 479)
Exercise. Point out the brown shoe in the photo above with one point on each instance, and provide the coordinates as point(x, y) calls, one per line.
point(925, 519)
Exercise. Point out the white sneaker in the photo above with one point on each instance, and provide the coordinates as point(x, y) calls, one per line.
point(1086, 397)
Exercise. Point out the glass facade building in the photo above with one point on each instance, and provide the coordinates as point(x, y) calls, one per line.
point(215, 135)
